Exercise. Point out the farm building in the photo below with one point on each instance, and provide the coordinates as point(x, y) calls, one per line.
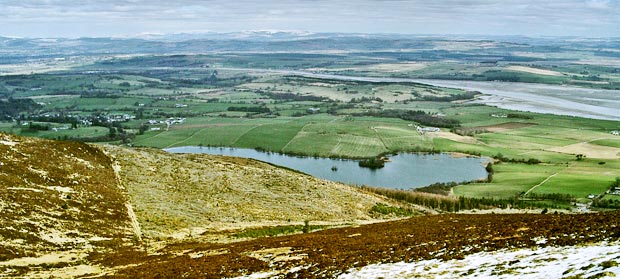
point(427, 129)
point(313, 110)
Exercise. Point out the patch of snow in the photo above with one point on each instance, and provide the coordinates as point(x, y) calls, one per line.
point(42, 173)
point(99, 238)
point(8, 142)
point(61, 189)
point(84, 162)
point(539, 240)
point(69, 272)
point(61, 238)
point(51, 258)
point(548, 262)
point(25, 189)
point(257, 275)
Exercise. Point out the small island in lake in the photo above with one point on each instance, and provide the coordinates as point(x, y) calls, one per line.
point(372, 163)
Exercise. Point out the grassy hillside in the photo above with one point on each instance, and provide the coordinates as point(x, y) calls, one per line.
point(68, 207)
point(180, 195)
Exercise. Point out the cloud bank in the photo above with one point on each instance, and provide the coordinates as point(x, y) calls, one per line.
point(73, 18)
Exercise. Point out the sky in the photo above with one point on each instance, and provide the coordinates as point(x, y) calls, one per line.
point(126, 18)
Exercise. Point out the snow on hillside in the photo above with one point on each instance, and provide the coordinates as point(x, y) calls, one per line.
point(597, 260)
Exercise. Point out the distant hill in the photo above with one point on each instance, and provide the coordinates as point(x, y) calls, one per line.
point(13, 50)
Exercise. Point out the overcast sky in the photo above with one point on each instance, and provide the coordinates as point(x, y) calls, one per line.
point(95, 18)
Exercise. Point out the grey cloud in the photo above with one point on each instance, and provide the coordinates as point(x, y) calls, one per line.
point(528, 17)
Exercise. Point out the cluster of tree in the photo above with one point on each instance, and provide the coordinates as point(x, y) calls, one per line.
point(438, 55)
point(335, 107)
point(608, 203)
point(499, 75)
point(437, 188)
point(468, 131)
point(260, 109)
point(12, 108)
point(490, 172)
point(445, 188)
point(549, 197)
point(450, 204)
point(531, 161)
point(519, 116)
point(372, 163)
point(35, 127)
point(233, 81)
point(186, 82)
point(115, 133)
point(143, 128)
point(99, 94)
point(494, 75)
point(454, 97)
point(291, 96)
point(418, 116)
point(212, 79)
point(56, 119)
point(163, 114)
point(365, 100)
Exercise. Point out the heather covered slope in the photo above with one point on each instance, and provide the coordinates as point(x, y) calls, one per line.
point(68, 211)
point(423, 244)
point(67, 208)
point(59, 201)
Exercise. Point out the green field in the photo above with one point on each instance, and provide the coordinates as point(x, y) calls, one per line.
point(325, 117)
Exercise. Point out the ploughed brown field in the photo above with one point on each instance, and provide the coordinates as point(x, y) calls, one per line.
point(328, 253)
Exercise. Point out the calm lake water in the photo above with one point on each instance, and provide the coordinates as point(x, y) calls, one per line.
point(404, 171)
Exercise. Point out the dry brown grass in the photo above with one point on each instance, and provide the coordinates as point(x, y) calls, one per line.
point(64, 215)
point(178, 195)
point(454, 137)
point(534, 71)
point(506, 126)
point(589, 150)
point(66, 205)
point(56, 197)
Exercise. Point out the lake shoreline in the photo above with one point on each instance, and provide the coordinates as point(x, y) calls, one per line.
point(405, 170)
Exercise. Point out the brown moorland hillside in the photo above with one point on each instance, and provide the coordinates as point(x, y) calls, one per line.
point(68, 207)
point(68, 212)
point(330, 253)
point(59, 201)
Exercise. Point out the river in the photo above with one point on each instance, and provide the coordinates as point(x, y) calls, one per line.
point(533, 97)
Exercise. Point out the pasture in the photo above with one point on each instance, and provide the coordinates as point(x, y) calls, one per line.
point(331, 118)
